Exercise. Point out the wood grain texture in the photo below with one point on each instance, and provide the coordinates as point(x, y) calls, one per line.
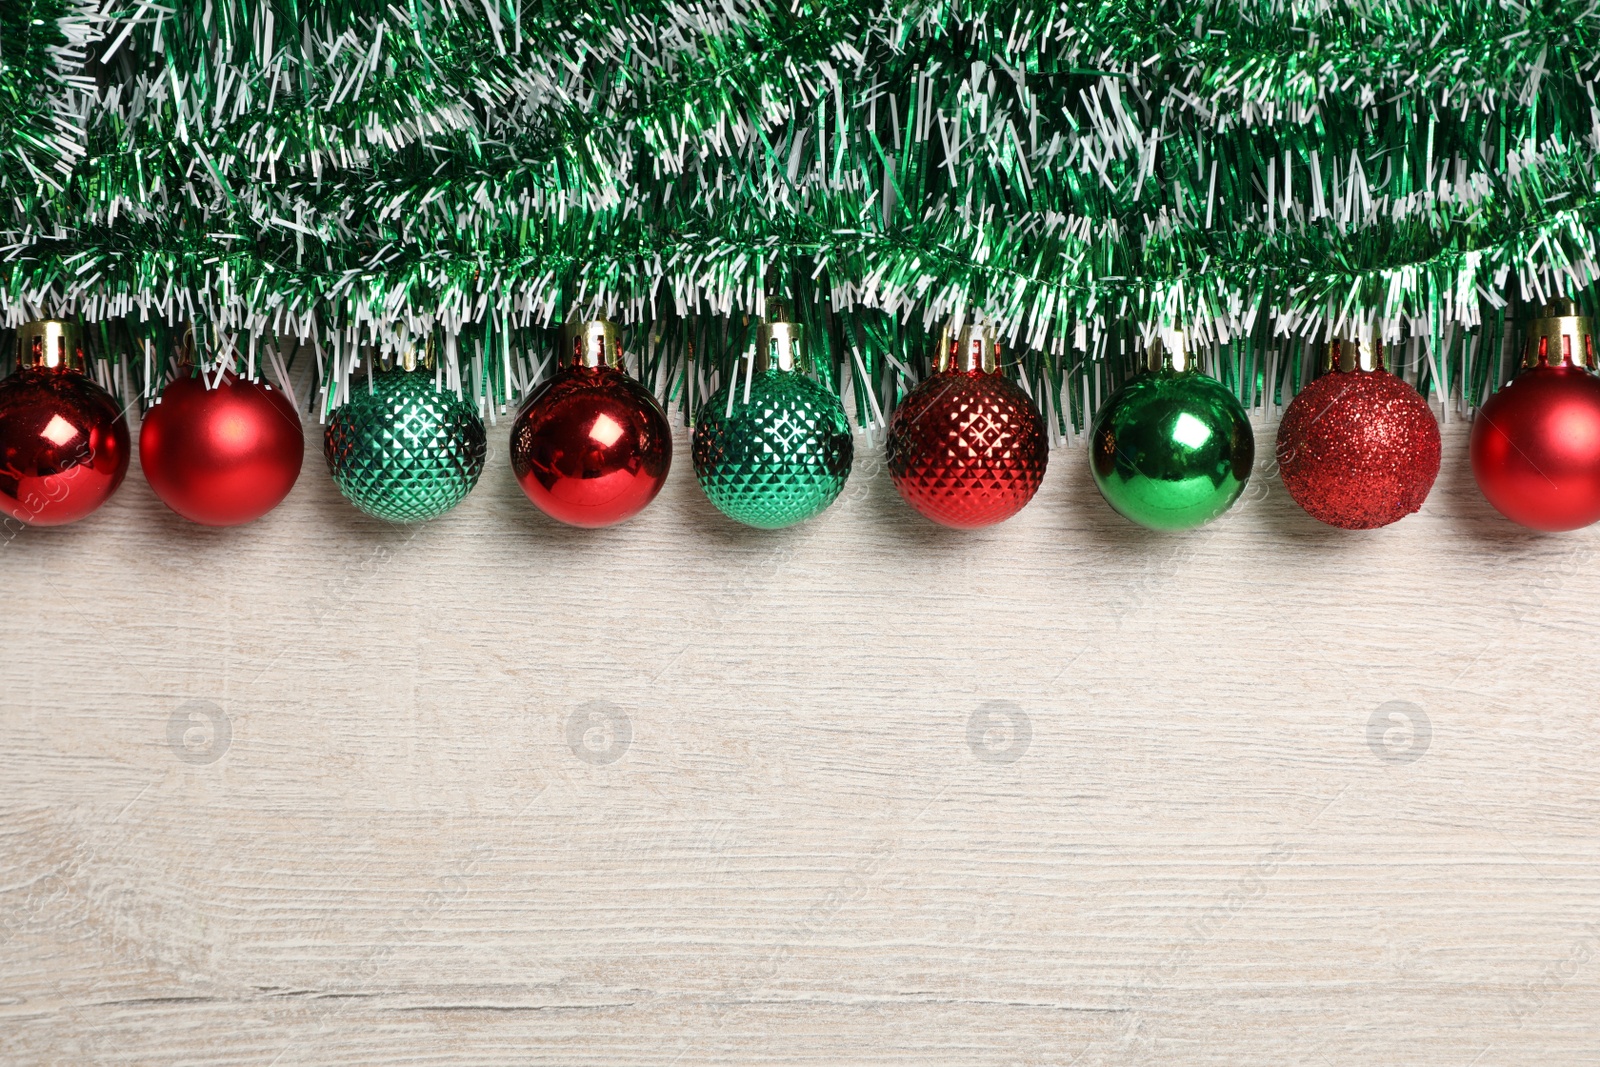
point(1056, 792)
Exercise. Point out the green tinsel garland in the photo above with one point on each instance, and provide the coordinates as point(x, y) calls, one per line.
point(326, 178)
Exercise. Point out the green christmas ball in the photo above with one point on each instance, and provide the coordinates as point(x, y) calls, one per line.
point(404, 450)
point(1172, 450)
point(779, 457)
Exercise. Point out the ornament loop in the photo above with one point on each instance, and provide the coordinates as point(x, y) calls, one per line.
point(591, 343)
point(1349, 354)
point(1559, 335)
point(1168, 351)
point(969, 347)
point(778, 341)
point(55, 344)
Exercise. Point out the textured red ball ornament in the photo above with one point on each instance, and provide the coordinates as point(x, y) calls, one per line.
point(1358, 448)
point(63, 440)
point(967, 448)
point(1536, 443)
point(591, 447)
point(222, 455)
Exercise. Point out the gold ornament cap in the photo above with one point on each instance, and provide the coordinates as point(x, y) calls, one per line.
point(1559, 335)
point(972, 346)
point(1347, 353)
point(1168, 351)
point(778, 340)
point(55, 344)
point(412, 356)
point(591, 343)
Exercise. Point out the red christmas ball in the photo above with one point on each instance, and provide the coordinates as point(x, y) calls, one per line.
point(221, 456)
point(1536, 448)
point(591, 447)
point(967, 448)
point(1358, 449)
point(63, 445)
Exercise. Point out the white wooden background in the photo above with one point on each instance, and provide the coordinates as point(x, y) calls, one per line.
point(490, 791)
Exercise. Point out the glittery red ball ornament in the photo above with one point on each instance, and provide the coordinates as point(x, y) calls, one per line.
point(63, 440)
point(967, 448)
point(221, 455)
point(1536, 443)
point(1358, 448)
point(591, 447)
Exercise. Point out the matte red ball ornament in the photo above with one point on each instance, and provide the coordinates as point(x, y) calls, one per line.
point(1358, 448)
point(221, 455)
point(1536, 443)
point(967, 448)
point(590, 446)
point(63, 440)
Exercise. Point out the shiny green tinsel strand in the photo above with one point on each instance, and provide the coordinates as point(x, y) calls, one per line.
point(363, 176)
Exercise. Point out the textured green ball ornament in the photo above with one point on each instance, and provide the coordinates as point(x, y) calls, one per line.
point(1173, 448)
point(782, 455)
point(405, 450)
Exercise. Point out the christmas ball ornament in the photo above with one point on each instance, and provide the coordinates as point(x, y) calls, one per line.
point(1358, 448)
point(772, 447)
point(405, 449)
point(1172, 449)
point(591, 447)
point(1535, 444)
point(222, 454)
point(63, 440)
point(967, 448)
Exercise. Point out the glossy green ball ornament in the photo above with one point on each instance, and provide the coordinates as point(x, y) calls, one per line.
point(405, 450)
point(1173, 448)
point(772, 447)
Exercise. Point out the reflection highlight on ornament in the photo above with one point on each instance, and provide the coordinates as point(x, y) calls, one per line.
point(606, 430)
point(59, 431)
point(235, 431)
point(1191, 431)
point(1577, 429)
